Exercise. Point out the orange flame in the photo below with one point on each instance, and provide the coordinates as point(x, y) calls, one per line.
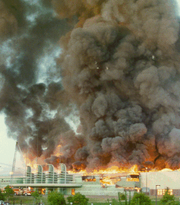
point(110, 170)
point(57, 151)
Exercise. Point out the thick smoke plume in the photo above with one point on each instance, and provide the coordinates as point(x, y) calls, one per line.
point(118, 71)
point(32, 96)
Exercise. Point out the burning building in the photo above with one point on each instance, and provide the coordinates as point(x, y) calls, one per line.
point(98, 80)
point(97, 183)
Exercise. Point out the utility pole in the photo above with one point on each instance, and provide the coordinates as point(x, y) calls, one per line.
point(17, 148)
point(14, 162)
point(156, 193)
point(146, 180)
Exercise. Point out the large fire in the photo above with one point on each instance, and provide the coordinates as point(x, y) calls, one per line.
point(103, 82)
point(110, 170)
point(107, 177)
point(33, 161)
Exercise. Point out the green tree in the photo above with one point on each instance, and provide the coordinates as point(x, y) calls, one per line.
point(36, 196)
point(8, 192)
point(55, 198)
point(140, 199)
point(168, 199)
point(2, 195)
point(125, 197)
point(122, 196)
point(78, 199)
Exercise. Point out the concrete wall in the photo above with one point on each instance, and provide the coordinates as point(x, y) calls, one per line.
point(92, 188)
point(165, 179)
point(125, 183)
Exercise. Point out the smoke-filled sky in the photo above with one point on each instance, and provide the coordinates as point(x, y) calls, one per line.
point(92, 83)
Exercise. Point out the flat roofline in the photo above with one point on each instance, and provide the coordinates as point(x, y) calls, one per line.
point(2, 177)
point(47, 185)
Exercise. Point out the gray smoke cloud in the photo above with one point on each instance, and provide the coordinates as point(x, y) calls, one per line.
point(118, 69)
point(31, 94)
point(121, 67)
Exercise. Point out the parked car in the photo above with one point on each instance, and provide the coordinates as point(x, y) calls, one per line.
point(2, 202)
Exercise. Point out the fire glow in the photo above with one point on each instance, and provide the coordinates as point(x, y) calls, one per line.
point(107, 177)
point(110, 170)
point(118, 74)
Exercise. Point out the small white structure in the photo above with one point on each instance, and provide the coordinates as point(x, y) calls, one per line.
point(165, 178)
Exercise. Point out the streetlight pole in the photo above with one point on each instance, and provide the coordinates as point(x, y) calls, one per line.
point(146, 180)
point(156, 193)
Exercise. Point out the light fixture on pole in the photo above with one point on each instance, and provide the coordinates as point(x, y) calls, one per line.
point(156, 193)
point(146, 180)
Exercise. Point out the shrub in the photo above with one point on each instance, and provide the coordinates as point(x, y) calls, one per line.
point(141, 199)
point(168, 199)
point(2, 195)
point(78, 199)
point(8, 192)
point(36, 196)
point(123, 196)
point(55, 198)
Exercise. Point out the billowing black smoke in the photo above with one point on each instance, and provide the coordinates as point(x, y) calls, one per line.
point(32, 98)
point(119, 67)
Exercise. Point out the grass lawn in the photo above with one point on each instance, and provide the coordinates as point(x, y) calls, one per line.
point(95, 200)
point(25, 200)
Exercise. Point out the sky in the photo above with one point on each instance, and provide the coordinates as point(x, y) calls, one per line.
point(7, 150)
point(7, 145)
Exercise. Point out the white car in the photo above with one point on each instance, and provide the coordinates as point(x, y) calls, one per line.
point(1, 202)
